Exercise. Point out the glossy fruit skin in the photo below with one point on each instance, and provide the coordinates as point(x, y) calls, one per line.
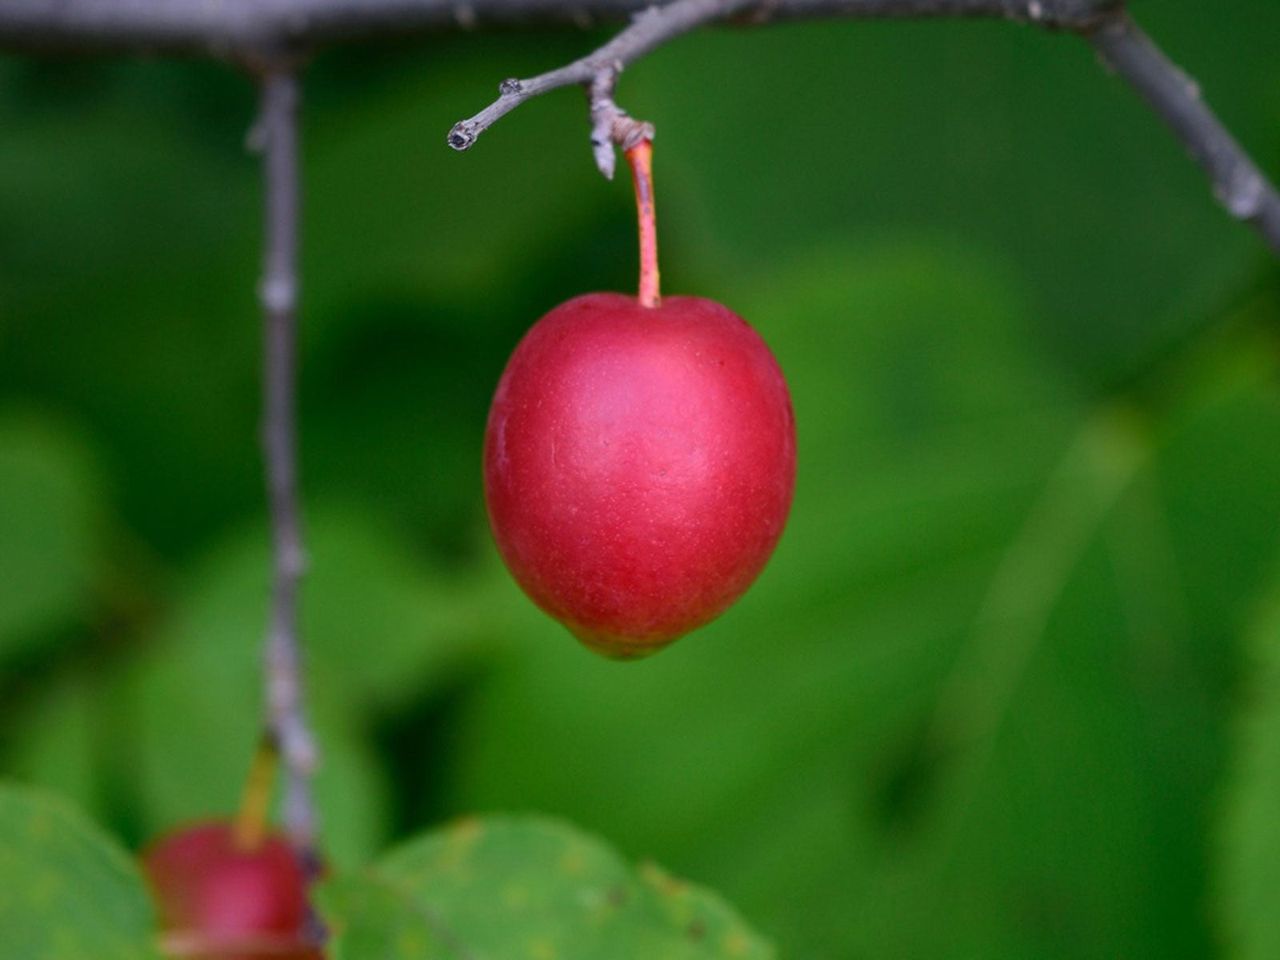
point(639, 466)
point(223, 902)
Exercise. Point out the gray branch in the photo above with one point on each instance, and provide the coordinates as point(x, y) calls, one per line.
point(1236, 180)
point(650, 29)
point(271, 32)
point(250, 29)
point(655, 25)
point(237, 29)
point(276, 134)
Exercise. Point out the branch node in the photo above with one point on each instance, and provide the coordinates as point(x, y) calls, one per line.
point(1243, 193)
point(611, 125)
point(510, 87)
point(463, 135)
point(277, 294)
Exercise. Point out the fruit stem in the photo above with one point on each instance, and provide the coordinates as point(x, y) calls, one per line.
point(641, 159)
point(250, 827)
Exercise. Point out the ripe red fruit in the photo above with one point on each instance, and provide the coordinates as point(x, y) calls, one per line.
point(639, 465)
point(219, 899)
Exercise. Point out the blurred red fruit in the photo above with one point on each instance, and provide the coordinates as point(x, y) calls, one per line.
point(219, 900)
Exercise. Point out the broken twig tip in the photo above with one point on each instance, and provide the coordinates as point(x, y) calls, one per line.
point(461, 137)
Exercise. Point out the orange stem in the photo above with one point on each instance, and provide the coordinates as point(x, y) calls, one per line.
point(250, 827)
point(641, 159)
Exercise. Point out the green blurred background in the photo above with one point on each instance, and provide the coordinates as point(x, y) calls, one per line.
point(1010, 686)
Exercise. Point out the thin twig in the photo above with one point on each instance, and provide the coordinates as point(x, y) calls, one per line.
point(656, 25)
point(650, 29)
point(277, 133)
point(1236, 180)
point(260, 30)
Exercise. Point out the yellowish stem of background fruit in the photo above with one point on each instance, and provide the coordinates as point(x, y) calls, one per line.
point(641, 159)
point(255, 800)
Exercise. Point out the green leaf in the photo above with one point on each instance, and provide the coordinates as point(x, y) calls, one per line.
point(1249, 862)
point(370, 918)
point(67, 892)
point(506, 887)
point(48, 511)
point(56, 745)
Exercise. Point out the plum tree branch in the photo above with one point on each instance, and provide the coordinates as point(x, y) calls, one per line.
point(263, 32)
point(276, 134)
point(246, 29)
point(1236, 180)
point(655, 25)
point(649, 29)
point(235, 28)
